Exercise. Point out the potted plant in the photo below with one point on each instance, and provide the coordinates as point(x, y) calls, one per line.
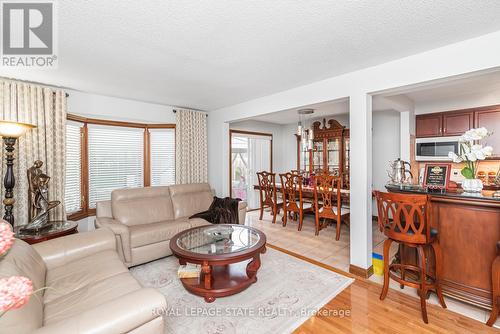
point(471, 154)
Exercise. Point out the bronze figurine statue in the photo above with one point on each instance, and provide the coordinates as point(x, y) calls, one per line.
point(38, 199)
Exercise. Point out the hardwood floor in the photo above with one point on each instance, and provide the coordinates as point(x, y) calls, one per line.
point(398, 313)
point(364, 312)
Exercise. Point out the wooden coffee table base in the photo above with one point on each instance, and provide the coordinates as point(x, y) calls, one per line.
point(222, 279)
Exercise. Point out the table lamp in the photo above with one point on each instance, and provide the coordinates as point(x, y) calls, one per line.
point(10, 131)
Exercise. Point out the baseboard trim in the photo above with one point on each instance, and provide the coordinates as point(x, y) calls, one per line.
point(361, 272)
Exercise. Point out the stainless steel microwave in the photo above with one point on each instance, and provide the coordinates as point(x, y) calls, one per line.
point(436, 148)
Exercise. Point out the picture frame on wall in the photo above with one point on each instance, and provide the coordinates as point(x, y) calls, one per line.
point(437, 176)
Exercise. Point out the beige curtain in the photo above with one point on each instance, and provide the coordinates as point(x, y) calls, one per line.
point(191, 164)
point(45, 108)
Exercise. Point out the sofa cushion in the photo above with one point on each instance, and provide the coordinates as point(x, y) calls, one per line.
point(188, 199)
point(23, 260)
point(88, 297)
point(135, 206)
point(195, 222)
point(141, 235)
point(89, 270)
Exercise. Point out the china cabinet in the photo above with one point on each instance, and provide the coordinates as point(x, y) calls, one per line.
point(330, 150)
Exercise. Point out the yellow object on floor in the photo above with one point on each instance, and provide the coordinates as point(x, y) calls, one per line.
point(378, 264)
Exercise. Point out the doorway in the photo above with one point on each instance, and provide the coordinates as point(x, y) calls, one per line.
point(251, 152)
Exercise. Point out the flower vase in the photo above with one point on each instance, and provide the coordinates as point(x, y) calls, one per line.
point(472, 185)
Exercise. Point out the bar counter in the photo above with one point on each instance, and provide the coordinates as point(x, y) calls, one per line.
point(468, 230)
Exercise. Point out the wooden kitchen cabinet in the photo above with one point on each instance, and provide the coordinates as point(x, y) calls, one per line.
point(456, 123)
point(489, 117)
point(429, 125)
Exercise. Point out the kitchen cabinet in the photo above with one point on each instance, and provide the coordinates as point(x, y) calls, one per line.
point(489, 117)
point(430, 125)
point(456, 123)
point(330, 150)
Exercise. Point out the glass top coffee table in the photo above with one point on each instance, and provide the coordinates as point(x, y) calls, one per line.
point(229, 256)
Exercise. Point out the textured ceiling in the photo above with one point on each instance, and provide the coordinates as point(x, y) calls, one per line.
point(209, 54)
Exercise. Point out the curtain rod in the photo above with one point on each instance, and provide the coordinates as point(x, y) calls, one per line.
point(35, 83)
point(206, 114)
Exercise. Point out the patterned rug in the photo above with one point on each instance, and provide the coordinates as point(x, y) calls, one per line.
point(288, 292)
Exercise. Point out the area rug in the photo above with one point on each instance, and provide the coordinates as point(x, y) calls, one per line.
point(288, 292)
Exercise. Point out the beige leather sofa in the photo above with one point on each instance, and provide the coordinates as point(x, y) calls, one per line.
point(90, 289)
point(145, 219)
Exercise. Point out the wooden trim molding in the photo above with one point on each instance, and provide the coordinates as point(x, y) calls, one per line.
point(361, 272)
point(86, 211)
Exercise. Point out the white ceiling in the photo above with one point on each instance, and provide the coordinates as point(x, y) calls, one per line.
point(209, 54)
point(451, 89)
point(323, 109)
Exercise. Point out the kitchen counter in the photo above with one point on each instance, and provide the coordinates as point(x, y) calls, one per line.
point(468, 228)
point(485, 195)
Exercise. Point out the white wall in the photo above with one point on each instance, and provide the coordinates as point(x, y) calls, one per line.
point(112, 108)
point(386, 145)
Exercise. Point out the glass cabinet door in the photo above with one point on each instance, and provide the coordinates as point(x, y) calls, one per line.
point(347, 150)
point(346, 154)
point(304, 157)
point(333, 155)
point(318, 156)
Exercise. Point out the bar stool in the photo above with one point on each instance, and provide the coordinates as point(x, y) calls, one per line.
point(267, 191)
point(495, 276)
point(405, 219)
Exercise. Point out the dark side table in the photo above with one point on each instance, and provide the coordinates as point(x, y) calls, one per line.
point(58, 229)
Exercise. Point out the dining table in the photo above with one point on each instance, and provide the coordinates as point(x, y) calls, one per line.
point(308, 191)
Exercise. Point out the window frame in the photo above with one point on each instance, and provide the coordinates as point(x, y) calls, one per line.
point(237, 132)
point(85, 211)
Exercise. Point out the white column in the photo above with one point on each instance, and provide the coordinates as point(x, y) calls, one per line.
point(360, 124)
point(407, 129)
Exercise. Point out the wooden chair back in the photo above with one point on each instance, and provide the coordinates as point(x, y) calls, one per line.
point(327, 190)
point(404, 217)
point(291, 188)
point(267, 188)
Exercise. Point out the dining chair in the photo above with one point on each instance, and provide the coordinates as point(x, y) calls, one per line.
point(293, 202)
point(268, 195)
point(328, 201)
point(405, 219)
point(495, 276)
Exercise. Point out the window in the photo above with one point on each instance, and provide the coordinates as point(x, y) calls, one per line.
point(102, 156)
point(162, 145)
point(116, 160)
point(251, 152)
point(73, 197)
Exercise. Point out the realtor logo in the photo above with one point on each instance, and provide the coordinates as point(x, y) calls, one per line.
point(28, 34)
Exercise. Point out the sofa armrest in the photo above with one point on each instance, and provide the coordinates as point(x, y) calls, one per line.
point(242, 212)
point(122, 234)
point(120, 315)
point(242, 205)
point(57, 252)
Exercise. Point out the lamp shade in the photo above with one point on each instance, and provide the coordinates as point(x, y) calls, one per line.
point(10, 129)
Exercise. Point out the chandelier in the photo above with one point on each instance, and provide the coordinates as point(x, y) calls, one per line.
point(304, 128)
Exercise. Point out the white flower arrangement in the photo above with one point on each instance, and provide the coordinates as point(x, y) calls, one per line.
point(472, 153)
